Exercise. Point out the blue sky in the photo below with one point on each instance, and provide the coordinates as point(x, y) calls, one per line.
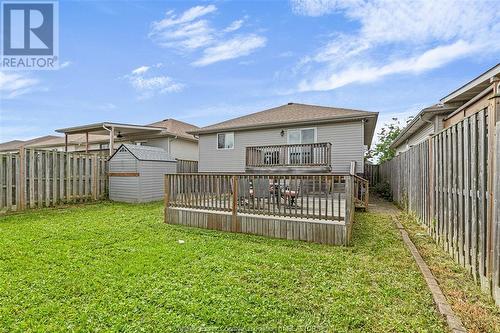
point(204, 62)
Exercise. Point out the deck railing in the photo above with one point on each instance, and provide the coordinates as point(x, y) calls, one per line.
point(318, 197)
point(314, 154)
point(361, 192)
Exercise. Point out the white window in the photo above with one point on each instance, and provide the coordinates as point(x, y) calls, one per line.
point(225, 140)
point(301, 154)
point(301, 135)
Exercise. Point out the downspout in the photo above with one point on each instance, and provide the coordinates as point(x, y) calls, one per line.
point(429, 122)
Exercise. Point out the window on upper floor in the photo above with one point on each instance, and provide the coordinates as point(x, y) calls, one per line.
point(301, 135)
point(225, 140)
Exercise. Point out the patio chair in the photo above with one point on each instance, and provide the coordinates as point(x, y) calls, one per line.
point(244, 191)
point(260, 191)
point(291, 192)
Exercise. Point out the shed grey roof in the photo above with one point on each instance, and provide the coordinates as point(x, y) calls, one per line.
point(147, 153)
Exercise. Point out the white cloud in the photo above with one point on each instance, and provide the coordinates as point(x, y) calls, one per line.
point(316, 7)
point(140, 70)
point(397, 37)
point(65, 64)
point(230, 49)
point(189, 15)
point(430, 59)
point(235, 25)
point(156, 83)
point(192, 32)
point(149, 86)
point(13, 84)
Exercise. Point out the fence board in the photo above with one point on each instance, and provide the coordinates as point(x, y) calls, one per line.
point(459, 212)
point(37, 178)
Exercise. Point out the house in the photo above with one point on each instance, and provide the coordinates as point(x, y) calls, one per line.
point(169, 134)
point(425, 124)
point(292, 138)
point(469, 99)
point(14, 145)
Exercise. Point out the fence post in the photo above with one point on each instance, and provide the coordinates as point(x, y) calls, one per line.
point(166, 186)
point(94, 172)
point(430, 183)
point(494, 188)
point(22, 178)
point(235, 204)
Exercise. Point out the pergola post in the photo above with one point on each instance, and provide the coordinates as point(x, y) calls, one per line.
point(111, 140)
point(66, 142)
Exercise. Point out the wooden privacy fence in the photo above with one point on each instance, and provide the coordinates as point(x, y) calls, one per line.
point(317, 208)
point(40, 178)
point(187, 166)
point(449, 182)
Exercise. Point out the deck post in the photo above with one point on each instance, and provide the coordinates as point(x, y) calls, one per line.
point(235, 204)
point(167, 195)
point(349, 207)
point(367, 194)
point(349, 200)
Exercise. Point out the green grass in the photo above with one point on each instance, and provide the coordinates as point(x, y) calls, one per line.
point(118, 267)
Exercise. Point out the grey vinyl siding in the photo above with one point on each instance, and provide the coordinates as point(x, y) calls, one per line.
point(184, 150)
point(124, 189)
point(160, 143)
point(123, 162)
point(178, 148)
point(147, 187)
point(151, 179)
point(418, 137)
point(346, 138)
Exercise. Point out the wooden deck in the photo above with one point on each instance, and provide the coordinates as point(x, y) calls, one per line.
point(316, 208)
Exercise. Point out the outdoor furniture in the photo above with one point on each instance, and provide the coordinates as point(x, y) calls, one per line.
point(290, 192)
point(244, 191)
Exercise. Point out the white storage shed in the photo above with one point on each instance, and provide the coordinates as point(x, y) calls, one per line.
point(136, 173)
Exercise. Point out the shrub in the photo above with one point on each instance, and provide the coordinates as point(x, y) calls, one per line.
point(384, 190)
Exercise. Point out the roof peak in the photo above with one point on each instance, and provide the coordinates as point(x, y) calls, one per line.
point(287, 113)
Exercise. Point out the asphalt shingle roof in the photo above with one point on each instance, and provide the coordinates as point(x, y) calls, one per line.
point(147, 153)
point(176, 127)
point(288, 113)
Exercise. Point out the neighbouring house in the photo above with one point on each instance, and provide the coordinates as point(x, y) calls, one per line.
point(291, 138)
point(14, 145)
point(469, 99)
point(105, 137)
point(425, 124)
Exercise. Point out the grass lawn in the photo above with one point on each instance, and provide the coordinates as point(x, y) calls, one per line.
point(118, 267)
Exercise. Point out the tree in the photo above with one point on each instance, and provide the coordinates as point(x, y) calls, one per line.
point(382, 151)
